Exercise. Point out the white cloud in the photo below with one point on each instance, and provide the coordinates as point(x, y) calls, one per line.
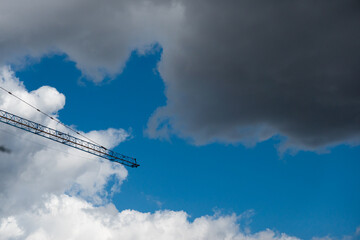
point(36, 166)
point(351, 236)
point(9, 228)
point(64, 217)
point(322, 238)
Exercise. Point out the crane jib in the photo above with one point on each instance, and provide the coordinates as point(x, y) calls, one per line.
point(66, 139)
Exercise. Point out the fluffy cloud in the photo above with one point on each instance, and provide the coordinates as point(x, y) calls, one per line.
point(235, 71)
point(354, 236)
point(64, 217)
point(35, 166)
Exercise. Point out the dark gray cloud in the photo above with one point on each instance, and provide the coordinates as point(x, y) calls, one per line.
point(235, 71)
point(98, 37)
point(243, 71)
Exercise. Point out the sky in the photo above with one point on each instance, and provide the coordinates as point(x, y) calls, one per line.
point(243, 115)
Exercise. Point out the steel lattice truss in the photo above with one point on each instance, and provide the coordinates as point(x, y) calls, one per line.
point(66, 139)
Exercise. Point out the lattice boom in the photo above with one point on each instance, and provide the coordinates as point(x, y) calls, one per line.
point(66, 139)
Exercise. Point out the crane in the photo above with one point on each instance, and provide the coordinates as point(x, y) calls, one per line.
point(66, 139)
point(87, 146)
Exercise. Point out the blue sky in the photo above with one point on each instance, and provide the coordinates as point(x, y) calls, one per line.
point(244, 116)
point(305, 195)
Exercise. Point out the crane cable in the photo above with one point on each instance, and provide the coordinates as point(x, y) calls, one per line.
point(54, 119)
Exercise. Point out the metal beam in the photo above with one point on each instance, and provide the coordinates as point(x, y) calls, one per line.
point(66, 139)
